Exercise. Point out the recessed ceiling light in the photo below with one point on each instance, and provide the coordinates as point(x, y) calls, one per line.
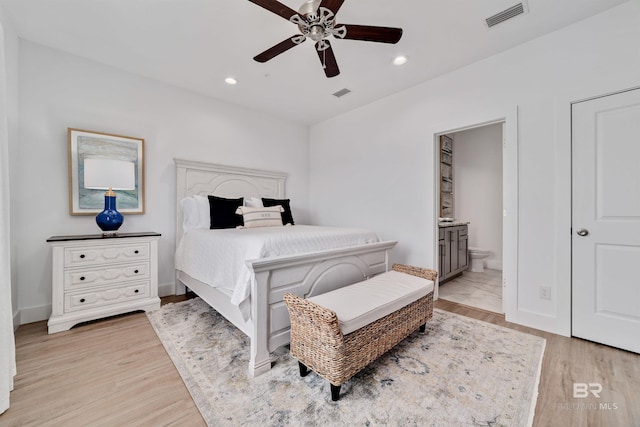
point(399, 60)
point(230, 81)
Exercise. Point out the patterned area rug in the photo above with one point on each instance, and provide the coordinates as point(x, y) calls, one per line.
point(460, 372)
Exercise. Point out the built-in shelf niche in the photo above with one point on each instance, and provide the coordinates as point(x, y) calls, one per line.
point(446, 177)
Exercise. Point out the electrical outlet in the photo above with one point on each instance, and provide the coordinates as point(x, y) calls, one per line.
point(545, 292)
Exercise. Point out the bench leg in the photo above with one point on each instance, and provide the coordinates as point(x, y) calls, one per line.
point(423, 328)
point(335, 392)
point(303, 369)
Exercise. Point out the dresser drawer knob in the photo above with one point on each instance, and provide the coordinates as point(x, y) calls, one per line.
point(81, 256)
point(136, 251)
point(136, 291)
point(135, 271)
point(82, 300)
point(82, 277)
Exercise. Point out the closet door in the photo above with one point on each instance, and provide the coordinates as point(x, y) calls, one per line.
point(606, 220)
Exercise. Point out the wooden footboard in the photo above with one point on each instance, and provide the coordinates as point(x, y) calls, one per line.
point(308, 275)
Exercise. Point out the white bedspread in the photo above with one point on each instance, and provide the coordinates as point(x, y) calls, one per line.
point(217, 257)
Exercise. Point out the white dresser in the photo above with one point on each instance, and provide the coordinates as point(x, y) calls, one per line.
point(96, 276)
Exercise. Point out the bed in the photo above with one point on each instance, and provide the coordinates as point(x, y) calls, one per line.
point(311, 270)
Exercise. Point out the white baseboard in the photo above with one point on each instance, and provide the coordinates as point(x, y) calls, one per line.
point(494, 264)
point(34, 314)
point(16, 320)
point(166, 289)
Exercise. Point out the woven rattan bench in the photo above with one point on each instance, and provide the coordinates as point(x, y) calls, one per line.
point(317, 338)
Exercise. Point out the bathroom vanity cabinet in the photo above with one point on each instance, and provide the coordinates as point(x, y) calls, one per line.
point(453, 245)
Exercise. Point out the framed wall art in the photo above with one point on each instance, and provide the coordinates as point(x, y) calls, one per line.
point(88, 144)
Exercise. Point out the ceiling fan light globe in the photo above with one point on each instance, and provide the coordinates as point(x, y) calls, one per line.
point(316, 33)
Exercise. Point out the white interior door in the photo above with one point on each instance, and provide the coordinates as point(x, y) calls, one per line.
point(606, 220)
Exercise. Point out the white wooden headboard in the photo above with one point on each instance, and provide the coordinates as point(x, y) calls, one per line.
point(193, 177)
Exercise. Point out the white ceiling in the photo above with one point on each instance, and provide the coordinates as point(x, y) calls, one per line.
point(196, 44)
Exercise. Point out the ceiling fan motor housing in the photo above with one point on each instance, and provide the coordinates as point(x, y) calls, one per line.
point(318, 21)
point(309, 9)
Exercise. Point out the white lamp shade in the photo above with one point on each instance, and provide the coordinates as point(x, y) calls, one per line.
point(100, 173)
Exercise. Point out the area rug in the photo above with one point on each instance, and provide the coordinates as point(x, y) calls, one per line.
point(459, 372)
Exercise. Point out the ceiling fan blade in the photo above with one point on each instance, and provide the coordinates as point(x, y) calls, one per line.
point(281, 47)
point(332, 5)
point(276, 7)
point(327, 58)
point(369, 33)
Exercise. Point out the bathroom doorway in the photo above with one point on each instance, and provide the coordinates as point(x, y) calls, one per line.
point(474, 171)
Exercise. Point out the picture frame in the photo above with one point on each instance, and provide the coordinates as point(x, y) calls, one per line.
point(85, 143)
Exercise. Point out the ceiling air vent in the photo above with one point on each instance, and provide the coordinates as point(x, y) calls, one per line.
point(341, 92)
point(506, 14)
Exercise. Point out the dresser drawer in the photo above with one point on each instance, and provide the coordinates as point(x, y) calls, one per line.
point(77, 301)
point(89, 255)
point(89, 277)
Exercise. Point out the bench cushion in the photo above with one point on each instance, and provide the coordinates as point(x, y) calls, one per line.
point(365, 302)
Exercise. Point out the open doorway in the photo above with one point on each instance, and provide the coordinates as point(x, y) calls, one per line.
point(470, 201)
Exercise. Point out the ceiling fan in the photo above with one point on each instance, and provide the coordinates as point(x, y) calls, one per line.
point(316, 20)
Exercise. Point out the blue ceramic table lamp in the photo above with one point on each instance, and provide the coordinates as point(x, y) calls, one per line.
point(101, 173)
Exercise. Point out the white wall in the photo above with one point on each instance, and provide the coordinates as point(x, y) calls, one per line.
point(10, 74)
point(374, 166)
point(58, 91)
point(477, 168)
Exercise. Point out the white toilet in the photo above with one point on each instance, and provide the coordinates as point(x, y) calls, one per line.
point(477, 256)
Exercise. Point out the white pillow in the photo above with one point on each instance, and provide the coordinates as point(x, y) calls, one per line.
point(261, 217)
point(253, 202)
point(204, 217)
point(190, 217)
point(195, 213)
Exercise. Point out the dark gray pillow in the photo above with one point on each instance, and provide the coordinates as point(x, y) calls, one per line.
point(287, 217)
point(223, 212)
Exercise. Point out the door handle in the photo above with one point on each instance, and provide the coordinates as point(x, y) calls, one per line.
point(582, 232)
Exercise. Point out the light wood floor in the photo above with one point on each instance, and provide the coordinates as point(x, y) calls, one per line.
point(115, 372)
point(481, 290)
point(572, 360)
